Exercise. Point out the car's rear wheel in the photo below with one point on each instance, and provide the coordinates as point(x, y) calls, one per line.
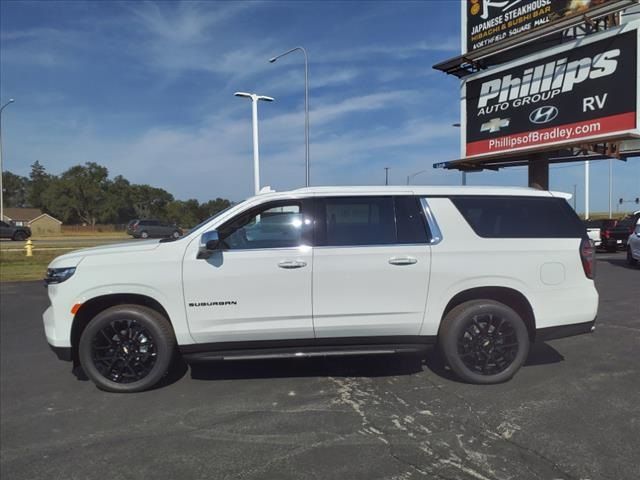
point(484, 341)
point(176, 234)
point(19, 236)
point(144, 235)
point(630, 260)
point(127, 348)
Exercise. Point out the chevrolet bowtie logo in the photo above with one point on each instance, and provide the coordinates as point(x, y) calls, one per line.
point(494, 125)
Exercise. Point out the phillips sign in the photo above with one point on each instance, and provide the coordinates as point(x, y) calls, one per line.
point(584, 90)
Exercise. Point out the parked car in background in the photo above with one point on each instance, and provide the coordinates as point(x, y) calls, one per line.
point(14, 232)
point(152, 229)
point(332, 271)
point(600, 232)
point(633, 246)
point(619, 234)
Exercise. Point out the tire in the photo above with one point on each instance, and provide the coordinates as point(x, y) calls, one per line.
point(504, 335)
point(127, 348)
point(176, 234)
point(19, 236)
point(630, 260)
point(144, 234)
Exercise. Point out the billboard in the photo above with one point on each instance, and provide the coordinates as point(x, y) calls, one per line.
point(582, 91)
point(487, 22)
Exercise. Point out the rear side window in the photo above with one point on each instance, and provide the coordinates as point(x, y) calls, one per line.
point(410, 222)
point(357, 221)
point(519, 217)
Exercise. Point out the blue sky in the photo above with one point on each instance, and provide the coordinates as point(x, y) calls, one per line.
point(147, 90)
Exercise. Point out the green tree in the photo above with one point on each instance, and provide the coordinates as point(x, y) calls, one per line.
point(40, 181)
point(212, 207)
point(79, 193)
point(118, 207)
point(186, 214)
point(149, 202)
point(15, 190)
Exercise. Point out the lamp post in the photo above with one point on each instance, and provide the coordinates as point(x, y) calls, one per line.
point(409, 177)
point(306, 105)
point(256, 153)
point(386, 175)
point(11, 100)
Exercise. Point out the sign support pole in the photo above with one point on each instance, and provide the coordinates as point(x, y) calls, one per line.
point(539, 171)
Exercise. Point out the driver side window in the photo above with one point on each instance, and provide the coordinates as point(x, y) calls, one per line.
point(274, 225)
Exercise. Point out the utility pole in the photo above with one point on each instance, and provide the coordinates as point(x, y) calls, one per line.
point(575, 194)
point(386, 175)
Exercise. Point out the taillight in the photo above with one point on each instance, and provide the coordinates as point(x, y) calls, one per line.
point(606, 234)
point(588, 257)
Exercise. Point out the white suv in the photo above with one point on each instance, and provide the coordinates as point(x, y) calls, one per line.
point(480, 271)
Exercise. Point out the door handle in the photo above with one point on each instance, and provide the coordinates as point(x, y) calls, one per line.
point(290, 264)
point(402, 260)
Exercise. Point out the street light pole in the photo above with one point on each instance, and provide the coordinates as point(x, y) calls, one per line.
point(306, 105)
point(413, 175)
point(386, 175)
point(256, 152)
point(11, 100)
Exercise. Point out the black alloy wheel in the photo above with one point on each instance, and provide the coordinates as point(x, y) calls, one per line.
point(488, 345)
point(127, 348)
point(484, 341)
point(20, 236)
point(123, 351)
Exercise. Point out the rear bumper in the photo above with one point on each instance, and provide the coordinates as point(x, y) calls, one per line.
point(563, 331)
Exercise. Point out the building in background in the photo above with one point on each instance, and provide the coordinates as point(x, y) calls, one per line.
point(40, 223)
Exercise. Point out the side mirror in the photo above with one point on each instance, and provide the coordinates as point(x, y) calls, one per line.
point(209, 242)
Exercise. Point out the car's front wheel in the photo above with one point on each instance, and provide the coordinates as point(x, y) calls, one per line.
point(630, 260)
point(484, 341)
point(144, 235)
point(127, 348)
point(19, 236)
point(176, 234)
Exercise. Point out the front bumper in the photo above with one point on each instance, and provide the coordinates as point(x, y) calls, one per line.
point(63, 353)
point(562, 331)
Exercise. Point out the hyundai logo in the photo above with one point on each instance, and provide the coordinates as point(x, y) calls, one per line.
point(543, 114)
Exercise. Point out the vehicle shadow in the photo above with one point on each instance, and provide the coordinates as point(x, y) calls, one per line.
point(618, 262)
point(178, 370)
point(347, 366)
point(540, 354)
point(362, 366)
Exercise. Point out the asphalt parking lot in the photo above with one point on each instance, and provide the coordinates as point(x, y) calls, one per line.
point(573, 412)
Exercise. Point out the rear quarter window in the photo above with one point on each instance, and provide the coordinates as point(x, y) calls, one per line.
point(520, 217)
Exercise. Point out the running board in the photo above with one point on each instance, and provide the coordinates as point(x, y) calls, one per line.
point(273, 354)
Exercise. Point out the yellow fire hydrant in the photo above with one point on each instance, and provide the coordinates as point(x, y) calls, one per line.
point(28, 246)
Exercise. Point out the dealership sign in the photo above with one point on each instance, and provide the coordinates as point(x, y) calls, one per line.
point(581, 91)
point(486, 22)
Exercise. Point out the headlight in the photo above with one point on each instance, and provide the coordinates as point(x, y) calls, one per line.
point(59, 275)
